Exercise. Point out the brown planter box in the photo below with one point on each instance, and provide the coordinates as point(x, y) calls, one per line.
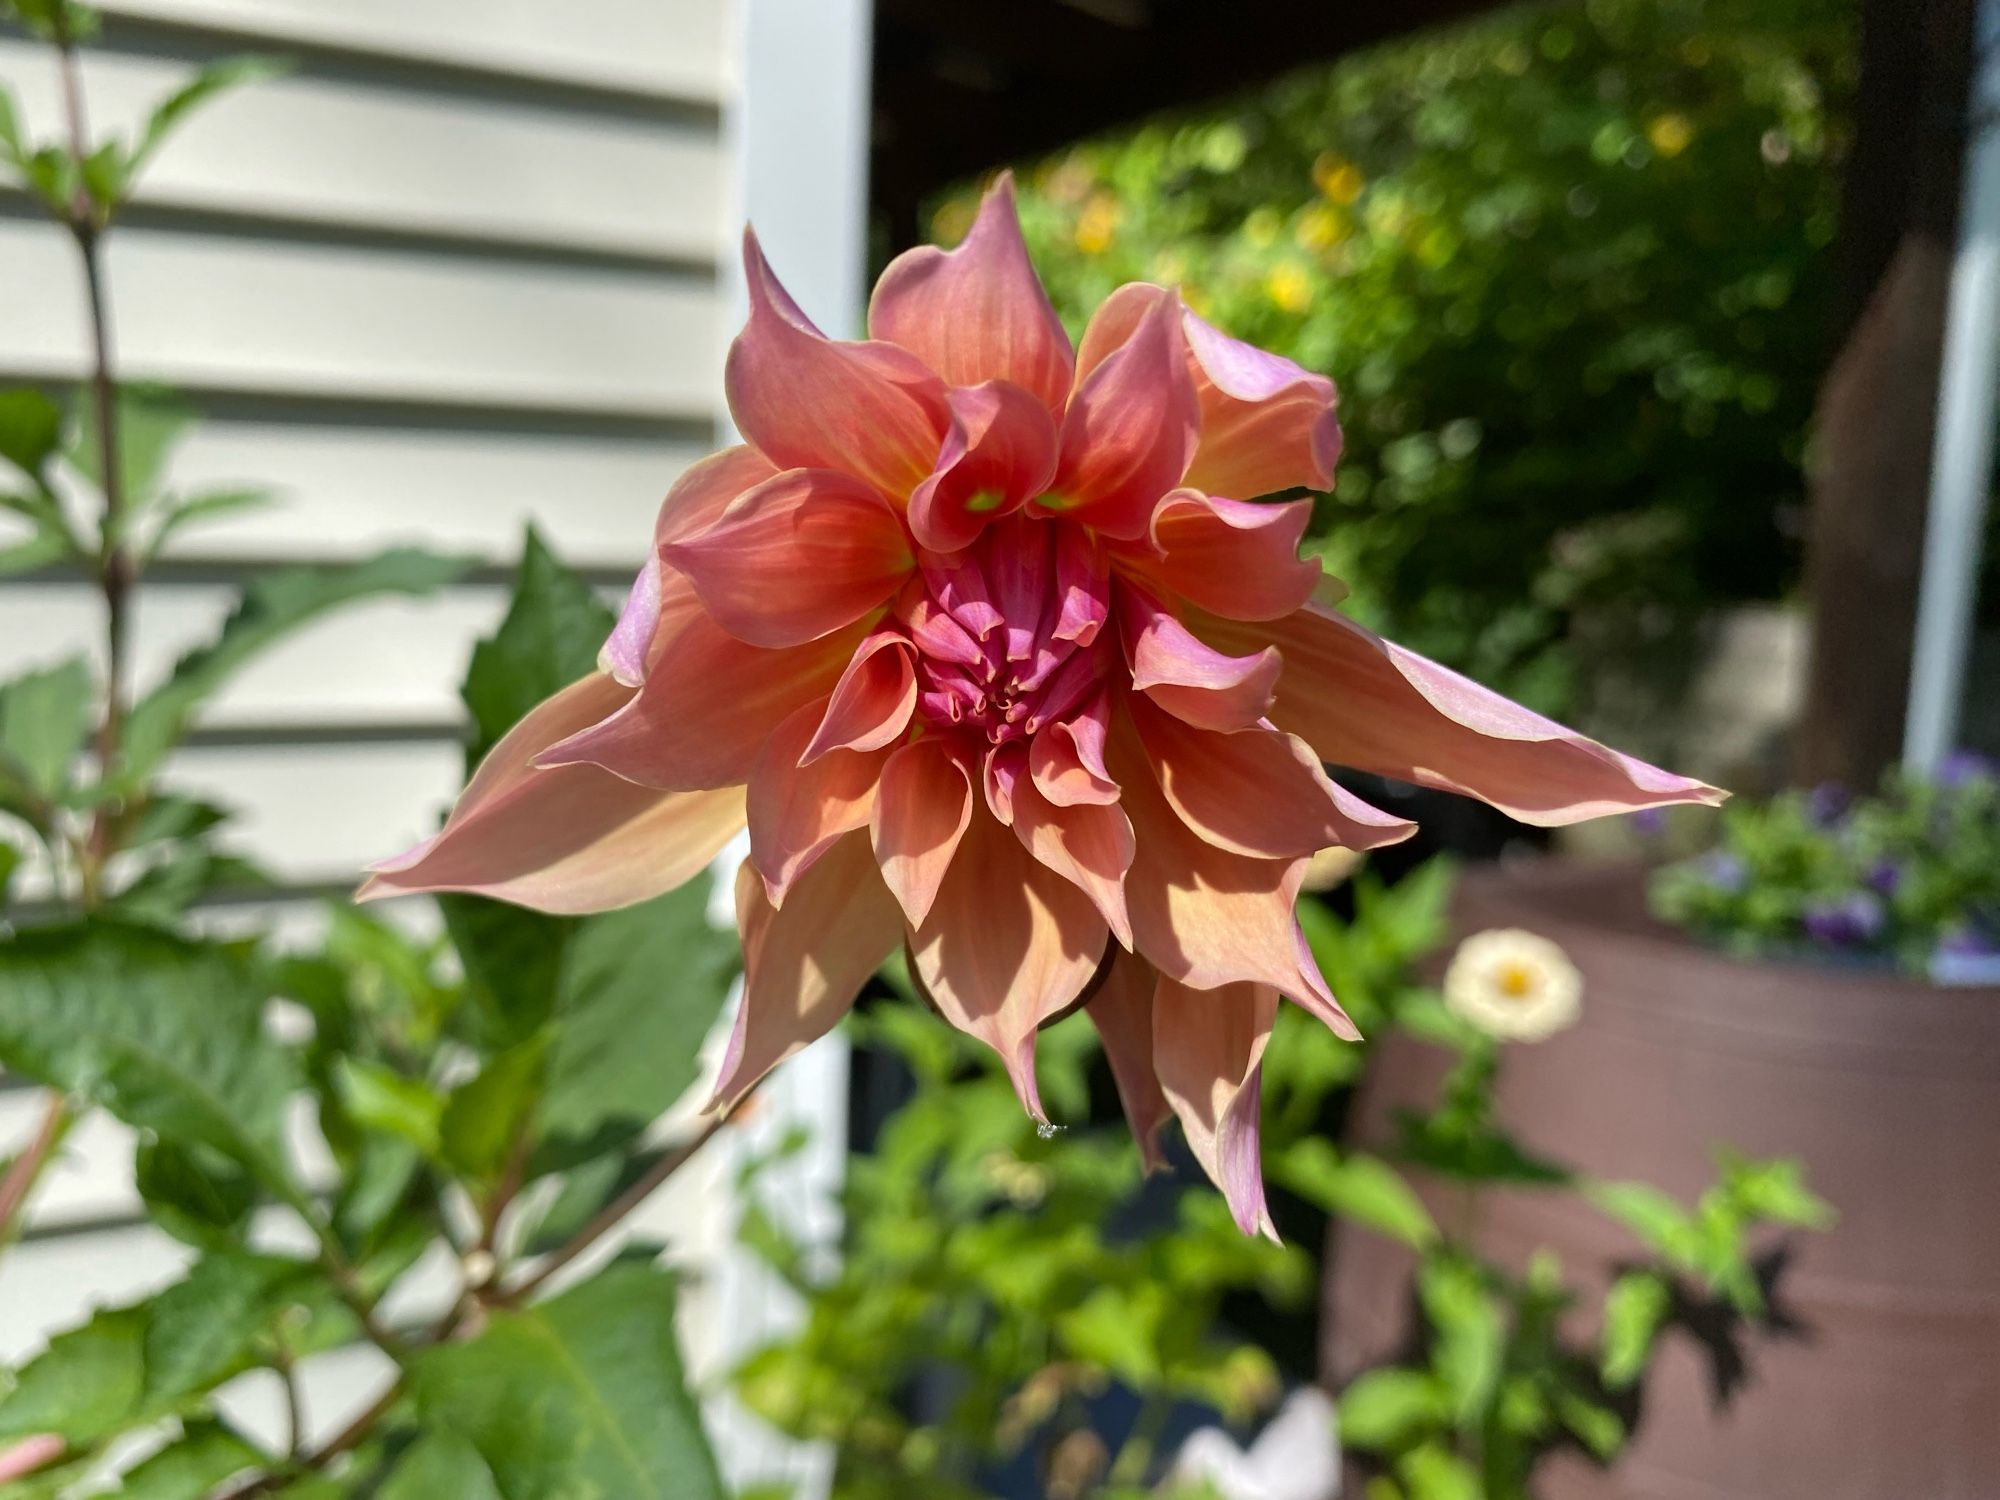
point(1882, 1381)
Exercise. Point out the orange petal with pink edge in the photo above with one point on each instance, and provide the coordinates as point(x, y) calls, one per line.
point(1007, 945)
point(1364, 702)
point(1207, 917)
point(998, 454)
point(572, 839)
point(1089, 844)
point(1257, 791)
point(796, 558)
point(1067, 758)
point(696, 500)
point(872, 703)
point(1229, 557)
point(805, 401)
point(1129, 430)
point(978, 312)
point(804, 964)
point(796, 812)
point(1122, 1011)
point(920, 814)
point(1208, 1046)
point(1188, 677)
point(708, 704)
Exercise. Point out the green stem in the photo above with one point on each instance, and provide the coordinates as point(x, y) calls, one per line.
point(27, 1168)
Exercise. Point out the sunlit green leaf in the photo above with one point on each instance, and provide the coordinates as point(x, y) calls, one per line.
point(380, 1098)
point(1357, 1186)
point(1634, 1308)
point(44, 719)
point(1468, 1331)
point(199, 510)
point(1390, 1408)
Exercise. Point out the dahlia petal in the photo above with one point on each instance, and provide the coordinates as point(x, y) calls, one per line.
point(796, 558)
point(1205, 916)
point(1368, 703)
point(1067, 758)
point(1129, 431)
point(572, 839)
point(1229, 557)
point(1188, 677)
point(1122, 1011)
point(796, 812)
point(708, 704)
point(1088, 844)
point(978, 312)
point(1082, 585)
point(998, 454)
point(804, 964)
point(805, 401)
point(1266, 423)
point(1208, 1046)
point(921, 812)
point(1006, 766)
point(696, 500)
point(1257, 791)
point(1007, 945)
point(872, 703)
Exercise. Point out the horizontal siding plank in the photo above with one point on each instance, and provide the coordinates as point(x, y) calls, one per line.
point(211, 312)
point(358, 156)
point(669, 48)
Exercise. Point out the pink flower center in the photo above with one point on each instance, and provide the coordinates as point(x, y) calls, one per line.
point(1007, 630)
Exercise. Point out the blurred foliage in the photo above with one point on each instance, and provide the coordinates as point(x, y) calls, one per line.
point(1909, 877)
point(1005, 1295)
point(1568, 267)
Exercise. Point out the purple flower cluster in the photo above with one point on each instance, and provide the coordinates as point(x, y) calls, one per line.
point(1849, 921)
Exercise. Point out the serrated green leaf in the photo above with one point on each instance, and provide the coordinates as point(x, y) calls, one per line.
point(166, 1033)
point(1390, 1408)
point(196, 1195)
point(213, 79)
point(193, 1466)
point(513, 962)
point(486, 1112)
point(1634, 1308)
point(271, 608)
point(164, 890)
point(377, 1097)
point(439, 1465)
point(30, 429)
point(1357, 1186)
point(553, 629)
point(44, 719)
point(581, 1395)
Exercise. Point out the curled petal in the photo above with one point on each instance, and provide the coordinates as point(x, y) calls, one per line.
point(998, 454)
point(1007, 945)
point(872, 703)
point(1364, 702)
point(1207, 917)
point(1208, 1046)
point(796, 812)
point(872, 410)
point(1266, 423)
point(1122, 1011)
point(1258, 791)
point(570, 839)
point(708, 704)
point(1067, 758)
point(978, 312)
point(796, 558)
point(1089, 844)
point(696, 500)
point(1188, 677)
point(803, 965)
point(921, 812)
point(1229, 557)
point(1006, 767)
point(1129, 431)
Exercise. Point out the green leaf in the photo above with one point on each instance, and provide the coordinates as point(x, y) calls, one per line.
point(152, 421)
point(47, 546)
point(44, 719)
point(1775, 1191)
point(167, 887)
point(439, 1465)
point(272, 607)
point(52, 173)
point(1363, 1188)
point(193, 1466)
point(30, 429)
point(105, 177)
point(550, 637)
point(513, 961)
point(1391, 1408)
point(580, 1395)
point(1634, 1308)
point(85, 1386)
point(1469, 1333)
point(486, 1112)
point(195, 1194)
point(1659, 1221)
point(1598, 1427)
point(1434, 1472)
point(199, 510)
point(380, 1098)
point(215, 78)
point(10, 861)
point(10, 128)
point(166, 1033)
point(167, 816)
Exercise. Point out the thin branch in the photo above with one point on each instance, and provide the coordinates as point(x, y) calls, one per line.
point(348, 1438)
point(614, 1212)
point(26, 1169)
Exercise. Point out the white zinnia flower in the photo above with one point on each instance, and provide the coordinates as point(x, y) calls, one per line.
point(1514, 985)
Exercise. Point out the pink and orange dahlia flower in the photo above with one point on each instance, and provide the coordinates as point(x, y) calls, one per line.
point(988, 640)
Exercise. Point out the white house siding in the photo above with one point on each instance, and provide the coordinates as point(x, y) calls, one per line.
point(469, 264)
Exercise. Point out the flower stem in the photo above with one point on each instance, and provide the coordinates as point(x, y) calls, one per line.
point(26, 1169)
